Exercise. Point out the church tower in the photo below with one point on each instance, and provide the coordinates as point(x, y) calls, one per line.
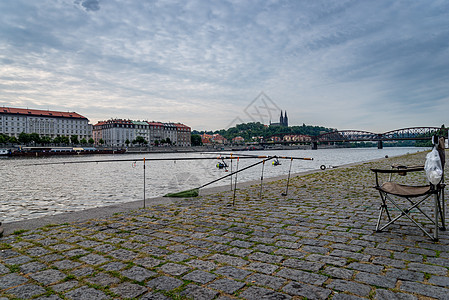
point(285, 120)
point(281, 120)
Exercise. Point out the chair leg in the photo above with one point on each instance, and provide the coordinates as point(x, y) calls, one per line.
point(441, 208)
point(437, 203)
point(383, 207)
point(406, 214)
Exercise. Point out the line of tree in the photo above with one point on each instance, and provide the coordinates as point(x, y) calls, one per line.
point(36, 139)
point(257, 129)
point(141, 141)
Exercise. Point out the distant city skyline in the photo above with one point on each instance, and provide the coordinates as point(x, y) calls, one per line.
point(365, 65)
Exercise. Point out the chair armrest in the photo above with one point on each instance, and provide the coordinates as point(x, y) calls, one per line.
point(399, 171)
point(406, 167)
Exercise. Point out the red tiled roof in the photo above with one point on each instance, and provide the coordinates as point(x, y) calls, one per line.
point(155, 123)
point(100, 123)
point(36, 112)
point(179, 125)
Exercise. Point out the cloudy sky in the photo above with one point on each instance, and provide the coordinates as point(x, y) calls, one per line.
point(367, 65)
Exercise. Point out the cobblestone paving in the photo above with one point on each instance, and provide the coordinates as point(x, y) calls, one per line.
point(316, 243)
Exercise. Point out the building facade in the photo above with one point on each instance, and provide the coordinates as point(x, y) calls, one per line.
point(114, 132)
point(183, 135)
point(118, 132)
point(14, 121)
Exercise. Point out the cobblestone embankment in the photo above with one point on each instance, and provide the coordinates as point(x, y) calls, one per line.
point(316, 243)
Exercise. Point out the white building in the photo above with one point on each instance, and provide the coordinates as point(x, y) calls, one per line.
point(115, 132)
point(14, 121)
point(170, 132)
point(142, 129)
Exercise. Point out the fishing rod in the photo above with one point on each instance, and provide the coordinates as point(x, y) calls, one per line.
point(288, 179)
point(259, 156)
point(136, 159)
point(238, 171)
point(159, 159)
point(194, 192)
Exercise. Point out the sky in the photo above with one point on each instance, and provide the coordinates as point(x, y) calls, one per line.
point(361, 65)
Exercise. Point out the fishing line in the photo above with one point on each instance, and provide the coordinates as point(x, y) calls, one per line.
point(288, 178)
point(261, 180)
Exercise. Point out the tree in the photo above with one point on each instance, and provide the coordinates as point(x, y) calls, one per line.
point(61, 140)
point(195, 140)
point(74, 139)
point(3, 138)
point(139, 140)
point(13, 140)
point(91, 141)
point(83, 141)
point(57, 140)
point(156, 143)
point(46, 140)
point(24, 138)
point(35, 138)
point(127, 142)
point(101, 141)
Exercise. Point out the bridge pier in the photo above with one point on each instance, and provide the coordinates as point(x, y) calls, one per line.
point(314, 145)
point(380, 145)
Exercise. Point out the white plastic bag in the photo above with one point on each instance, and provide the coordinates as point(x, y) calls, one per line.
point(433, 167)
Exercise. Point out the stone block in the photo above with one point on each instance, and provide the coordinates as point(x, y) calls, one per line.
point(86, 293)
point(198, 293)
point(26, 291)
point(164, 283)
point(226, 285)
point(10, 280)
point(138, 273)
point(306, 290)
point(199, 277)
point(47, 277)
point(129, 290)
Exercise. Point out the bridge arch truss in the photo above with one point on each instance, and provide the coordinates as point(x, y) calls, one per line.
point(411, 133)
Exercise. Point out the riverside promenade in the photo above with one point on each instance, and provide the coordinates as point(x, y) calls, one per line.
point(318, 242)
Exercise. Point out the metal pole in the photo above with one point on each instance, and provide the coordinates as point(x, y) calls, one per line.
point(231, 172)
point(144, 183)
point(235, 182)
point(261, 180)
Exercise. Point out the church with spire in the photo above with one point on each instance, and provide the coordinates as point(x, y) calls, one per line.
point(283, 120)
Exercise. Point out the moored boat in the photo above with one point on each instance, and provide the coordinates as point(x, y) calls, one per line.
point(5, 152)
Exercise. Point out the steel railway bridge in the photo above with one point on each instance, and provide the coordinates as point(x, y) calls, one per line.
point(412, 133)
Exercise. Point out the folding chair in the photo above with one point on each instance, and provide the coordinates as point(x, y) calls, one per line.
point(414, 195)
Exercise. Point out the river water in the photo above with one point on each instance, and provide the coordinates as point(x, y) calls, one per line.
point(35, 187)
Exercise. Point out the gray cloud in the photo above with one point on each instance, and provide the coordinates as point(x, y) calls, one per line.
point(89, 5)
point(345, 64)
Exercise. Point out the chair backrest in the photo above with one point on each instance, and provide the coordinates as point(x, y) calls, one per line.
point(441, 152)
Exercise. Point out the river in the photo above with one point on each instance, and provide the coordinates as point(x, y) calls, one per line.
point(35, 187)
